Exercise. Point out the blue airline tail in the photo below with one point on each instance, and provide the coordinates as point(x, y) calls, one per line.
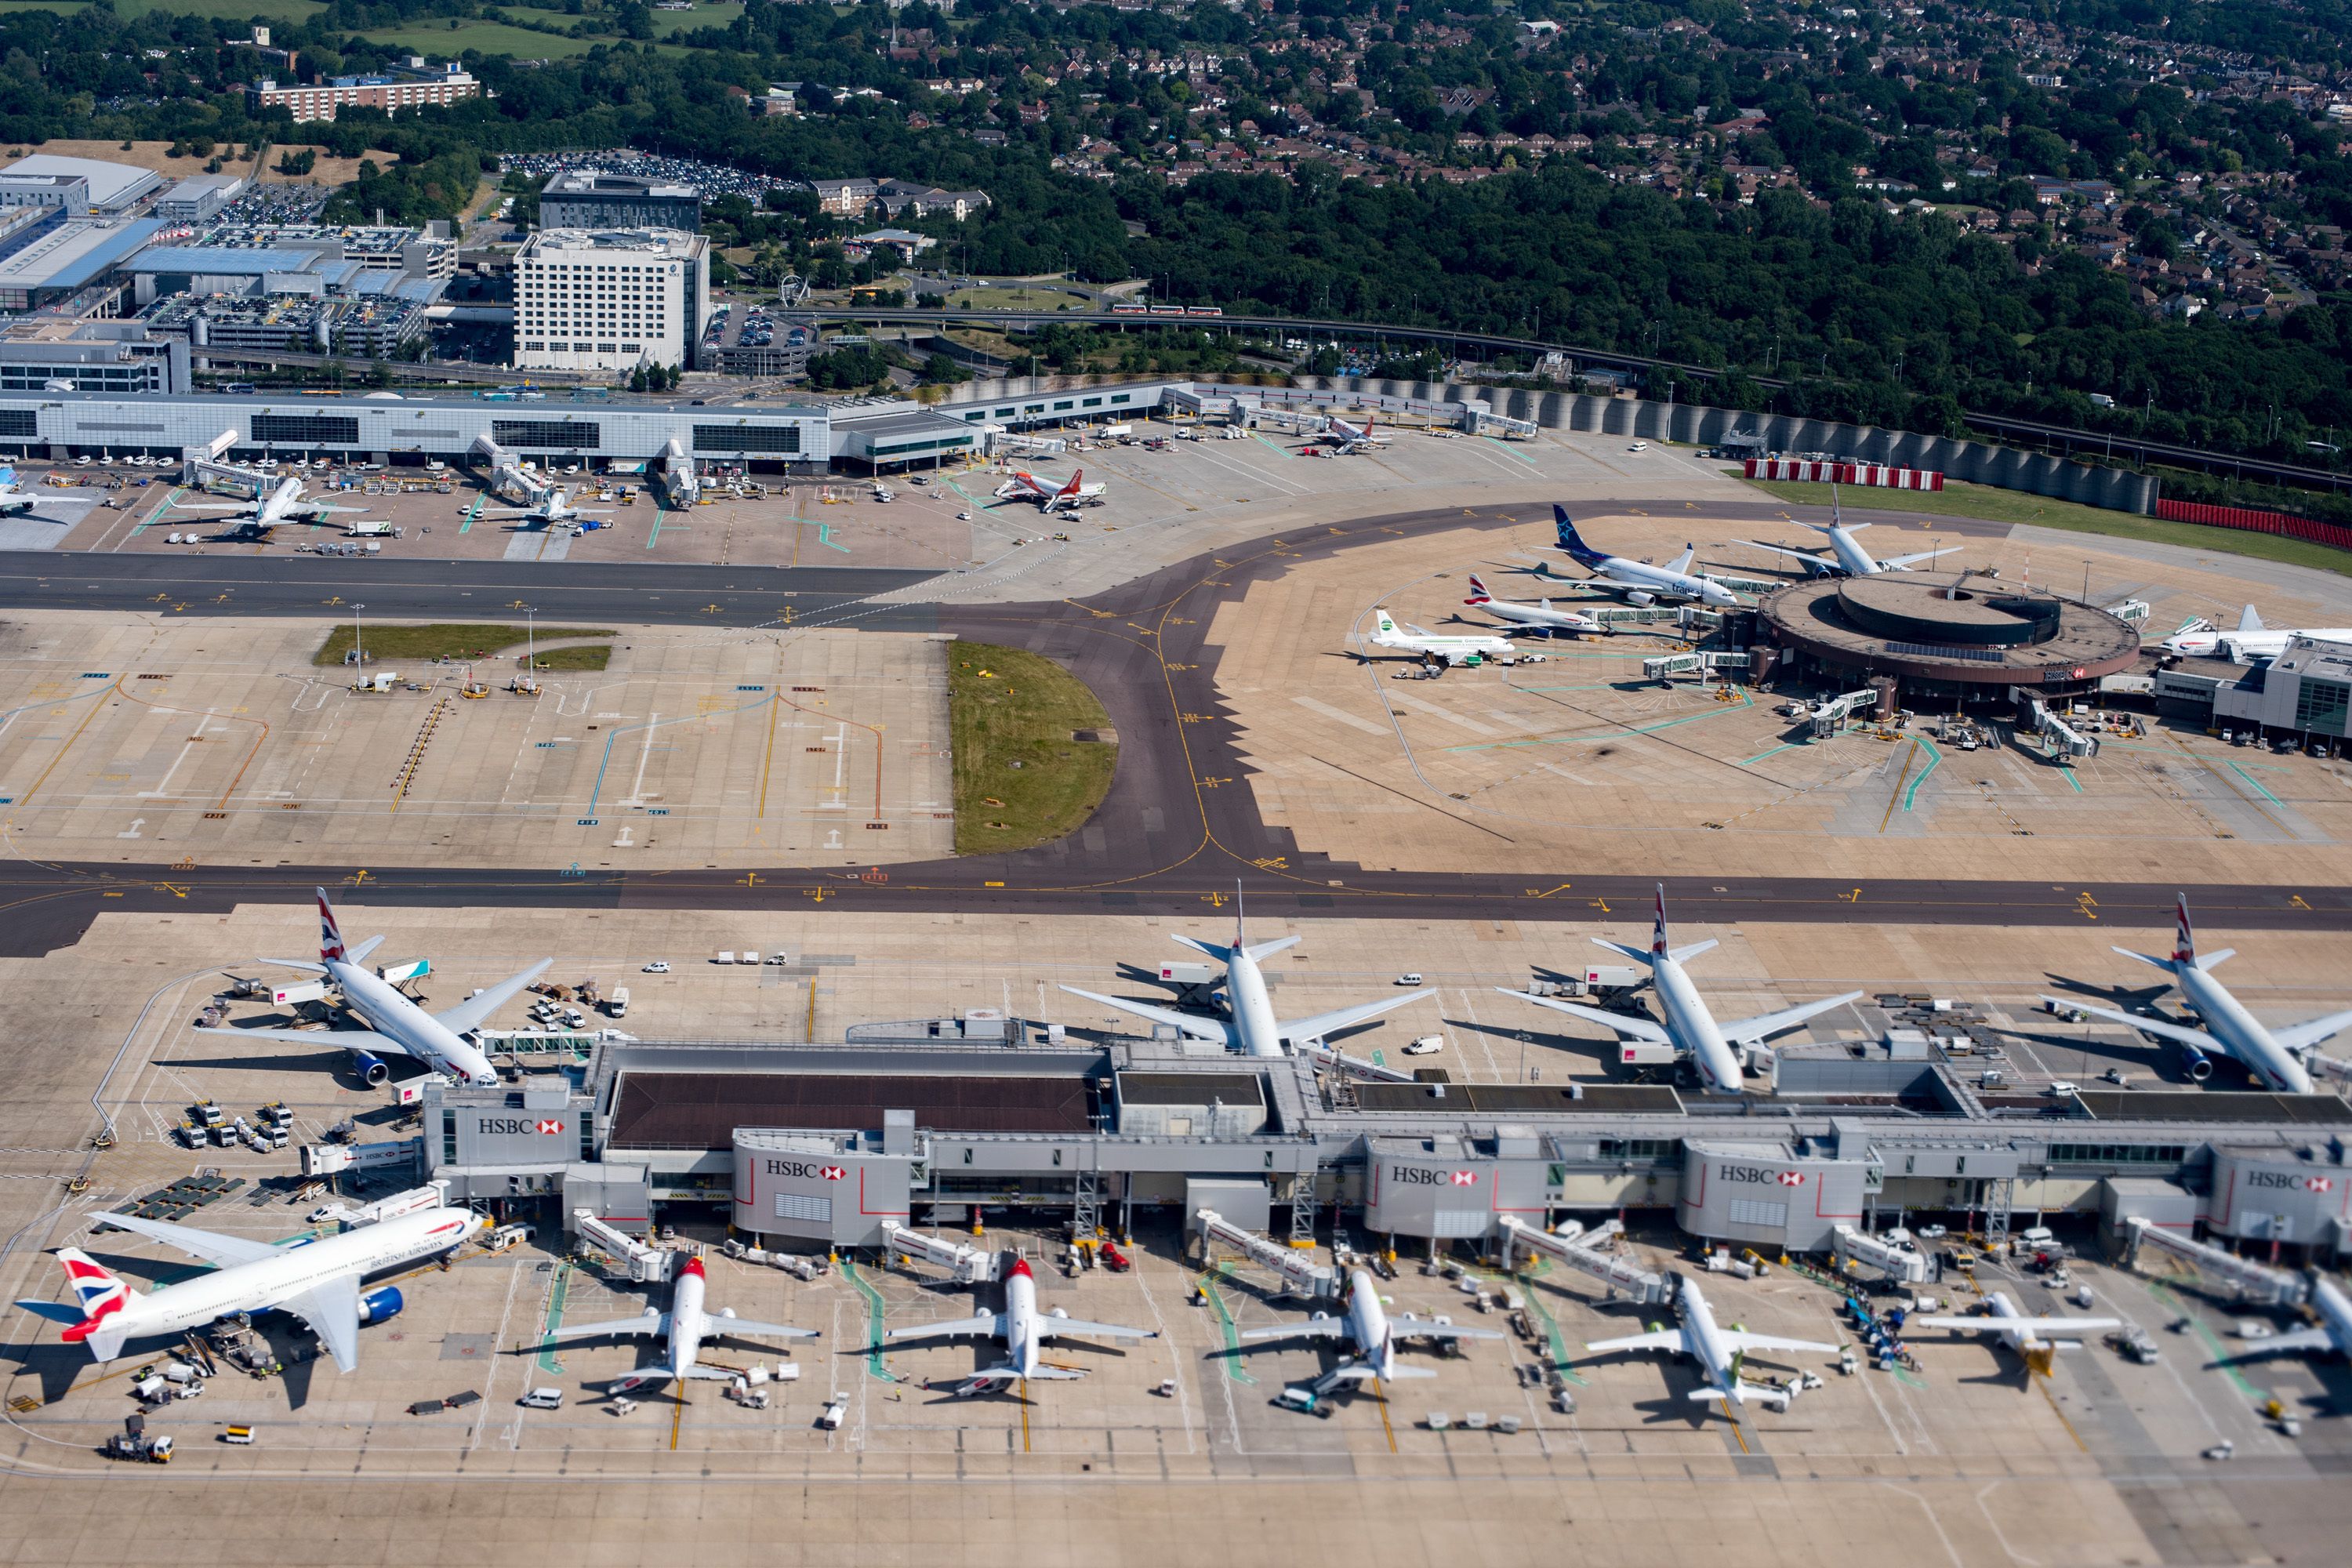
point(1570, 541)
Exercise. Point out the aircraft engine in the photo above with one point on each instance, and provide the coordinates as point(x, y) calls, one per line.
point(370, 1068)
point(378, 1305)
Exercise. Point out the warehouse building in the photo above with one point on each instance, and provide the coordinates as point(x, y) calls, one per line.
point(106, 189)
point(943, 1120)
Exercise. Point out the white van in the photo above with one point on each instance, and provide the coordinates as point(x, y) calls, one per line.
point(542, 1399)
point(619, 1005)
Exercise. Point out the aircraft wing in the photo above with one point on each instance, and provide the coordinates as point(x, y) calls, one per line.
point(646, 1322)
point(1898, 563)
point(719, 1324)
point(1323, 1024)
point(2180, 1032)
point(316, 507)
point(1198, 1028)
point(989, 1324)
point(2299, 1341)
point(1053, 1326)
point(467, 1016)
point(224, 1251)
point(1739, 1340)
point(382, 1045)
point(2022, 1325)
point(1312, 1329)
point(1662, 1340)
point(1753, 1031)
point(225, 506)
point(1411, 1327)
point(331, 1308)
point(1632, 1027)
point(2303, 1037)
point(1820, 563)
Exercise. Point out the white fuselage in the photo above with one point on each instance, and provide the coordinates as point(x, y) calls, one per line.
point(1639, 576)
point(258, 1286)
point(2335, 1309)
point(1702, 1341)
point(1543, 616)
point(1404, 641)
point(1022, 1339)
point(279, 505)
point(1368, 1325)
point(2272, 1064)
point(2245, 647)
point(688, 1324)
point(382, 1008)
point(1856, 561)
point(1694, 1029)
point(1256, 1031)
point(14, 500)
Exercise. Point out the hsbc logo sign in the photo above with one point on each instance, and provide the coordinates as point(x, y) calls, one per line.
point(2285, 1181)
point(517, 1127)
point(806, 1171)
point(1760, 1175)
point(1421, 1176)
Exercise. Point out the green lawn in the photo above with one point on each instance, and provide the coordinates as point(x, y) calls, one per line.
point(235, 10)
point(1020, 779)
point(457, 640)
point(442, 41)
point(1957, 499)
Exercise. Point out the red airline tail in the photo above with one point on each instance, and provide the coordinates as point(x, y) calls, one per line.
point(1478, 595)
point(2184, 941)
point(1658, 932)
point(331, 935)
point(1070, 490)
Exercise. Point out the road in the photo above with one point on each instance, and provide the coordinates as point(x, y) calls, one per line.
point(1183, 838)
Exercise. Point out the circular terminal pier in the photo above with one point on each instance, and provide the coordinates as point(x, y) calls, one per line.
point(1948, 635)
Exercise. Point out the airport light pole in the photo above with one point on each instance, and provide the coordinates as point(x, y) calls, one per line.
point(531, 636)
point(359, 649)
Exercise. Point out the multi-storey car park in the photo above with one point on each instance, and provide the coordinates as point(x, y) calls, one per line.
point(819, 1146)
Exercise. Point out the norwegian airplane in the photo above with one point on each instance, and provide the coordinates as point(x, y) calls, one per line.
point(2277, 1058)
point(1714, 1049)
point(395, 1026)
point(1069, 498)
point(1539, 616)
point(2249, 643)
point(686, 1325)
point(318, 1280)
point(1719, 1352)
point(1024, 1330)
point(1372, 1333)
point(1347, 439)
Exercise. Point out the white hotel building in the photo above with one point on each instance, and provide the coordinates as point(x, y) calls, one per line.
point(610, 300)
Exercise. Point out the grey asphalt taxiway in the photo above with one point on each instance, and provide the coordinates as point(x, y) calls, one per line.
point(1177, 846)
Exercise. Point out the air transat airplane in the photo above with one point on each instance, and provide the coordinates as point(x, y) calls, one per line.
point(1719, 1351)
point(2020, 1333)
point(554, 507)
point(1539, 616)
point(1847, 558)
point(318, 1280)
point(1024, 1330)
point(1452, 650)
point(283, 504)
point(400, 1028)
point(1714, 1049)
point(2274, 1057)
point(1347, 440)
point(1638, 581)
point(1252, 1027)
point(1073, 495)
point(686, 1325)
point(14, 502)
point(2251, 641)
point(1371, 1333)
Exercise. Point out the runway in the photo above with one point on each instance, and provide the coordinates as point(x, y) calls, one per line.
point(1183, 840)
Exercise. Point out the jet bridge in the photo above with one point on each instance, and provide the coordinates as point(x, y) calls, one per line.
point(1324, 1055)
point(1826, 715)
point(2248, 1281)
point(509, 478)
point(1300, 1276)
point(647, 1264)
point(967, 1264)
point(1574, 1246)
point(1479, 418)
point(1904, 1265)
point(1667, 666)
point(1289, 420)
point(2064, 741)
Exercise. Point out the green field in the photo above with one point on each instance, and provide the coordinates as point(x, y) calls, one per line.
point(460, 640)
point(1020, 779)
point(235, 10)
point(1957, 499)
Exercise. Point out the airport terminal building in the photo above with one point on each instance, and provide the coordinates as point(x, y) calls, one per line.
point(940, 1120)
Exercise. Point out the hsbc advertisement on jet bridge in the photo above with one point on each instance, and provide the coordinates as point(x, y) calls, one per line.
point(811, 1190)
point(1762, 1193)
point(541, 1139)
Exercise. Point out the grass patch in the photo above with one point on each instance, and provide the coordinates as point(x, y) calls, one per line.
point(1957, 499)
point(588, 656)
point(1036, 297)
point(457, 640)
point(1019, 778)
